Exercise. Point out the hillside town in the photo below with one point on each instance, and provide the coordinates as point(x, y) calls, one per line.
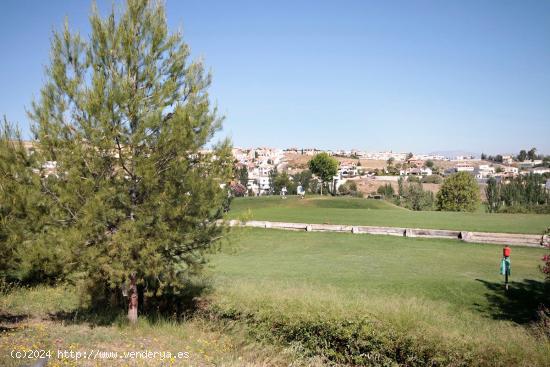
point(370, 169)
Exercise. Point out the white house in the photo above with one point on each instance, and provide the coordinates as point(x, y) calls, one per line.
point(423, 171)
point(510, 170)
point(540, 170)
point(507, 159)
point(484, 171)
point(463, 167)
point(528, 164)
point(259, 185)
point(347, 170)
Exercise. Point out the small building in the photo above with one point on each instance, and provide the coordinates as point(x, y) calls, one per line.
point(464, 167)
point(346, 171)
point(510, 170)
point(507, 159)
point(416, 171)
point(539, 170)
point(529, 164)
point(484, 171)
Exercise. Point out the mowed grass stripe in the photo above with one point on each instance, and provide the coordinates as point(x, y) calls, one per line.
point(355, 211)
point(434, 295)
point(457, 273)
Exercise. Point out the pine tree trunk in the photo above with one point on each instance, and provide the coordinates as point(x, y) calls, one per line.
point(133, 301)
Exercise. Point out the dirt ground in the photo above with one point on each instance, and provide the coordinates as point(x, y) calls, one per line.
point(369, 185)
point(300, 161)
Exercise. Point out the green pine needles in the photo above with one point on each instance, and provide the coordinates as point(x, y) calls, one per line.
point(124, 117)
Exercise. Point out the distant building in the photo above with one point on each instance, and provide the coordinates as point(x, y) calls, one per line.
point(539, 170)
point(529, 164)
point(416, 171)
point(484, 171)
point(507, 159)
point(464, 167)
point(464, 158)
point(347, 170)
point(510, 170)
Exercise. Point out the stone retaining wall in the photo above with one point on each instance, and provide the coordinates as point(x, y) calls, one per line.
point(474, 237)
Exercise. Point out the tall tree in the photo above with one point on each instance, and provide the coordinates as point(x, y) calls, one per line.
point(126, 116)
point(522, 156)
point(459, 192)
point(243, 175)
point(303, 179)
point(492, 193)
point(532, 154)
point(324, 166)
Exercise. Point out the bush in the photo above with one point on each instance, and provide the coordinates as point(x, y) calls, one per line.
point(238, 190)
point(349, 188)
point(364, 340)
point(419, 199)
point(386, 190)
point(413, 196)
point(525, 209)
point(459, 193)
point(433, 179)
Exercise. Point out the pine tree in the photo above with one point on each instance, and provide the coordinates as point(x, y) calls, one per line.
point(15, 178)
point(126, 116)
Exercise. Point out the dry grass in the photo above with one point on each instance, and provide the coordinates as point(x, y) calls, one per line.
point(427, 326)
point(44, 318)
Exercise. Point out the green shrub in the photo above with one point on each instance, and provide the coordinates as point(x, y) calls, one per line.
point(459, 193)
point(349, 188)
point(386, 190)
point(365, 340)
point(413, 196)
point(433, 179)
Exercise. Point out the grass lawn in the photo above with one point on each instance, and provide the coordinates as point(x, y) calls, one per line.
point(446, 293)
point(309, 299)
point(355, 211)
point(458, 274)
point(46, 318)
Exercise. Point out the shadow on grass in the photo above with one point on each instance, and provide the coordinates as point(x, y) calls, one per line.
point(174, 307)
point(7, 320)
point(519, 303)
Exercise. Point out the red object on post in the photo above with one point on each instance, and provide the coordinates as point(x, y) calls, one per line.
point(506, 251)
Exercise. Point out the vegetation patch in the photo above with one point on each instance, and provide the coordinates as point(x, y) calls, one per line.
point(357, 211)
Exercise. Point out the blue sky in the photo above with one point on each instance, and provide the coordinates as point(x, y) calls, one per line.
point(376, 75)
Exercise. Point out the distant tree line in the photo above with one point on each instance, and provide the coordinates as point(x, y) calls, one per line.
point(459, 192)
point(412, 195)
point(522, 194)
point(522, 156)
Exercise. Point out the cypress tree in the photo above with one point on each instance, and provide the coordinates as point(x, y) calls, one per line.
point(492, 192)
point(126, 117)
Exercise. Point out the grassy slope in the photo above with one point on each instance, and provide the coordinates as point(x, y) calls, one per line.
point(440, 270)
point(434, 298)
point(44, 318)
point(378, 213)
point(444, 293)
